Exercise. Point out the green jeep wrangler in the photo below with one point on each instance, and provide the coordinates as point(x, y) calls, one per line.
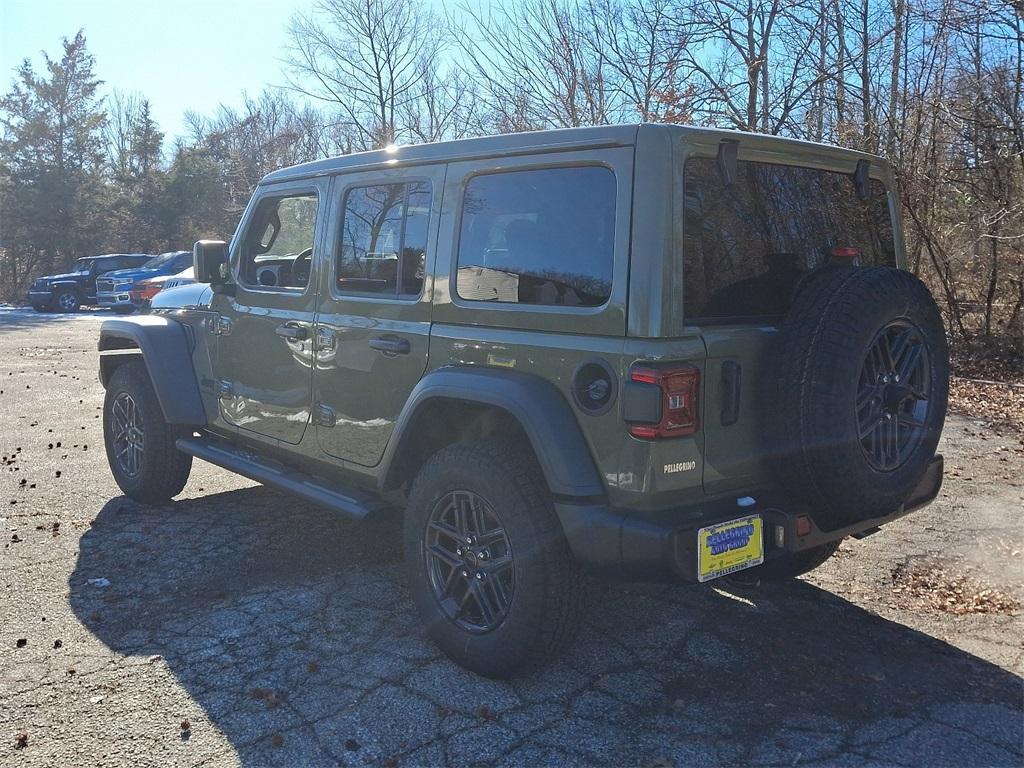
point(655, 351)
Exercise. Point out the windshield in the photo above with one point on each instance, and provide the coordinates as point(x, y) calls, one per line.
point(80, 266)
point(748, 245)
point(159, 261)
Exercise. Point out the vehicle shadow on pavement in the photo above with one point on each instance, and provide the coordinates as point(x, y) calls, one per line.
point(293, 630)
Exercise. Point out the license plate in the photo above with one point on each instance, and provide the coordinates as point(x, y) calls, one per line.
point(729, 547)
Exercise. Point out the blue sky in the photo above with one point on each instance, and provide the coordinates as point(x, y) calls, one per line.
point(181, 54)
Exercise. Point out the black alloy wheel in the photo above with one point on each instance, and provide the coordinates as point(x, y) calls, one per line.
point(893, 395)
point(128, 435)
point(469, 561)
point(67, 301)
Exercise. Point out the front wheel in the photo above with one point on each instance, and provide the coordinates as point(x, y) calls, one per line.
point(489, 568)
point(66, 300)
point(140, 444)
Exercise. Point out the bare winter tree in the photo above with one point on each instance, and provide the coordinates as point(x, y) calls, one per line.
point(122, 116)
point(643, 43)
point(447, 107)
point(370, 60)
point(534, 65)
point(558, 64)
point(756, 61)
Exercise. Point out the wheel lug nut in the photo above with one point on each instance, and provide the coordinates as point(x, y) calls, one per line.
point(479, 576)
point(459, 551)
point(465, 574)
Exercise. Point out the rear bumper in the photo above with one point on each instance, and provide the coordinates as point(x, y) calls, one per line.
point(663, 545)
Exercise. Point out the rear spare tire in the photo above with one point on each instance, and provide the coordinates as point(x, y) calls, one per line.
point(857, 393)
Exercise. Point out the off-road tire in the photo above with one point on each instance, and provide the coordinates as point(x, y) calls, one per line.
point(812, 390)
point(65, 300)
point(163, 469)
point(40, 308)
point(785, 567)
point(547, 601)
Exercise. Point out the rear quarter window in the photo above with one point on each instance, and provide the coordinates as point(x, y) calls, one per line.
point(542, 236)
point(747, 246)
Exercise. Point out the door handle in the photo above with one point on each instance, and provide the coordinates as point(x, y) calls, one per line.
point(730, 392)
point(390, 345)
point(292, 332)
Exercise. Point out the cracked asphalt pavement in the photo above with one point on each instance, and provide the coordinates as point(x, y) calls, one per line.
point(239, 626)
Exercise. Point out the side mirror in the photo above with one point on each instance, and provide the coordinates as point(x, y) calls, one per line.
point(210, 262)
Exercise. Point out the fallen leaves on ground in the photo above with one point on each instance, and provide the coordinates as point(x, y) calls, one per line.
point(932, 585)
point(988, 383)
point(994, 402)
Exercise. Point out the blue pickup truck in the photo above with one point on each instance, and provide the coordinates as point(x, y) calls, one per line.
point(114, 289)
point(68, 291)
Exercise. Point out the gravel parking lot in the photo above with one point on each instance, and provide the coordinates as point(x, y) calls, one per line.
point(238, 626)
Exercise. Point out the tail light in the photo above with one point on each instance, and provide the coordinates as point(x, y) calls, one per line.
point(674, 391)
point(845, 254)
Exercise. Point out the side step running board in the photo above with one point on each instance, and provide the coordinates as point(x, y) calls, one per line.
point(276, 475)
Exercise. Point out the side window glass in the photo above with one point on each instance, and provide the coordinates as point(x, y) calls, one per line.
point(384, 239)
point(541, 236)
point(277, 249)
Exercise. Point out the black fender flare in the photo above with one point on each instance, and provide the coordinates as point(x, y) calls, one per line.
point(538, 406)
point(166, 349)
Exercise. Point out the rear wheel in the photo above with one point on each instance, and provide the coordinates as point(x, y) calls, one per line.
point(66, 300)
point(489, 568)
point(39, 307)
point(140, 444)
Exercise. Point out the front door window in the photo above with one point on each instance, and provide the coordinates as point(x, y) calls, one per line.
point(277, 249)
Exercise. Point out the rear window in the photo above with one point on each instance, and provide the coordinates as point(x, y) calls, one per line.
point(541, 236)
point(746, 247)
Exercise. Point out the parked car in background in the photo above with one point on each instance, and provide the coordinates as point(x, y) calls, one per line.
point(68, 291)
point(146, 289)
point(115, 289)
